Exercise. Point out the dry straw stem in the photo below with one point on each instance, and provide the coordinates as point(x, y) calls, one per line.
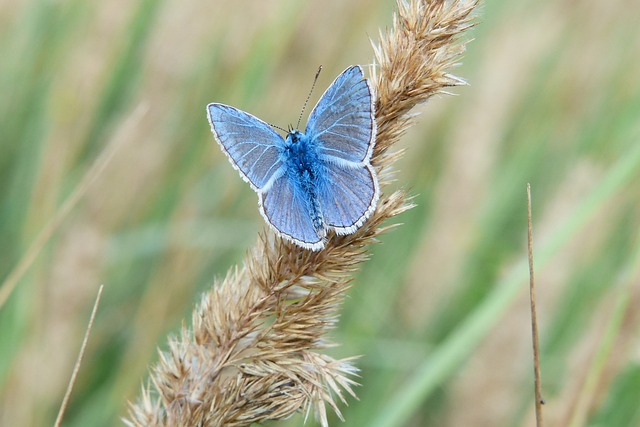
point(76, 367)
point(254, 352)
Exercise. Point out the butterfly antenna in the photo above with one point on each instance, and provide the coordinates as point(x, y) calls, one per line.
point(308, 96)
point(278, 127)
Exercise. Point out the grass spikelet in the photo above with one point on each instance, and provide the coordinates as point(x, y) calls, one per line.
point(254, 351)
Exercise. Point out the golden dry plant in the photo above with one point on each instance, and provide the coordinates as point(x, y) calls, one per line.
point(254, 350)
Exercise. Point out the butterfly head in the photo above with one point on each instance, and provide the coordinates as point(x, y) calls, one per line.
point(294, 136)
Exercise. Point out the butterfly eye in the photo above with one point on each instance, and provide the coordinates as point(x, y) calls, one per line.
point(295, 136)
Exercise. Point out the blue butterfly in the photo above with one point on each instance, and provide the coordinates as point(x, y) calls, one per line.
point(311, 182)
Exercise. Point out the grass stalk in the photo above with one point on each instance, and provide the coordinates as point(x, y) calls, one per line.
point(254, 352)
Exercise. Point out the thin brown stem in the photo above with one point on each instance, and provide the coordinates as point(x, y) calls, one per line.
point(76, 368)
point(534, 317)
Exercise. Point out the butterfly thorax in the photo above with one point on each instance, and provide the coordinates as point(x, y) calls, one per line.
point(302, 164)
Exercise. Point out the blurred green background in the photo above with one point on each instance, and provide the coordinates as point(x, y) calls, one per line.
point(106, 100)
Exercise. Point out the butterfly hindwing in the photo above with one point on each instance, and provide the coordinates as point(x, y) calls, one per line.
point(252, 145)
point(342, 124)
point(347, 196)
point(288, 209)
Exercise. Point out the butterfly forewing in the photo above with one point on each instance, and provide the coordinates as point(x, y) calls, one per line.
point(287, 208)
point(342, 124)
point(251, 144)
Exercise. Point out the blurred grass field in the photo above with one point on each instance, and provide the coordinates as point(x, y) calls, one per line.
point(439, 314)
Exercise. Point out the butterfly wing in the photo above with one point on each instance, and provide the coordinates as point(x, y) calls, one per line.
point(342, 124)
point(252, 146)
point(288, 209)
point(343, 129)
point(347, 196)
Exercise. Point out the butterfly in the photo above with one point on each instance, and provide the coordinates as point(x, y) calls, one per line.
point(312, 182)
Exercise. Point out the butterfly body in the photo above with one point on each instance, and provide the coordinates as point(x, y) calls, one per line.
point(313, 181)
point(303, 167)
